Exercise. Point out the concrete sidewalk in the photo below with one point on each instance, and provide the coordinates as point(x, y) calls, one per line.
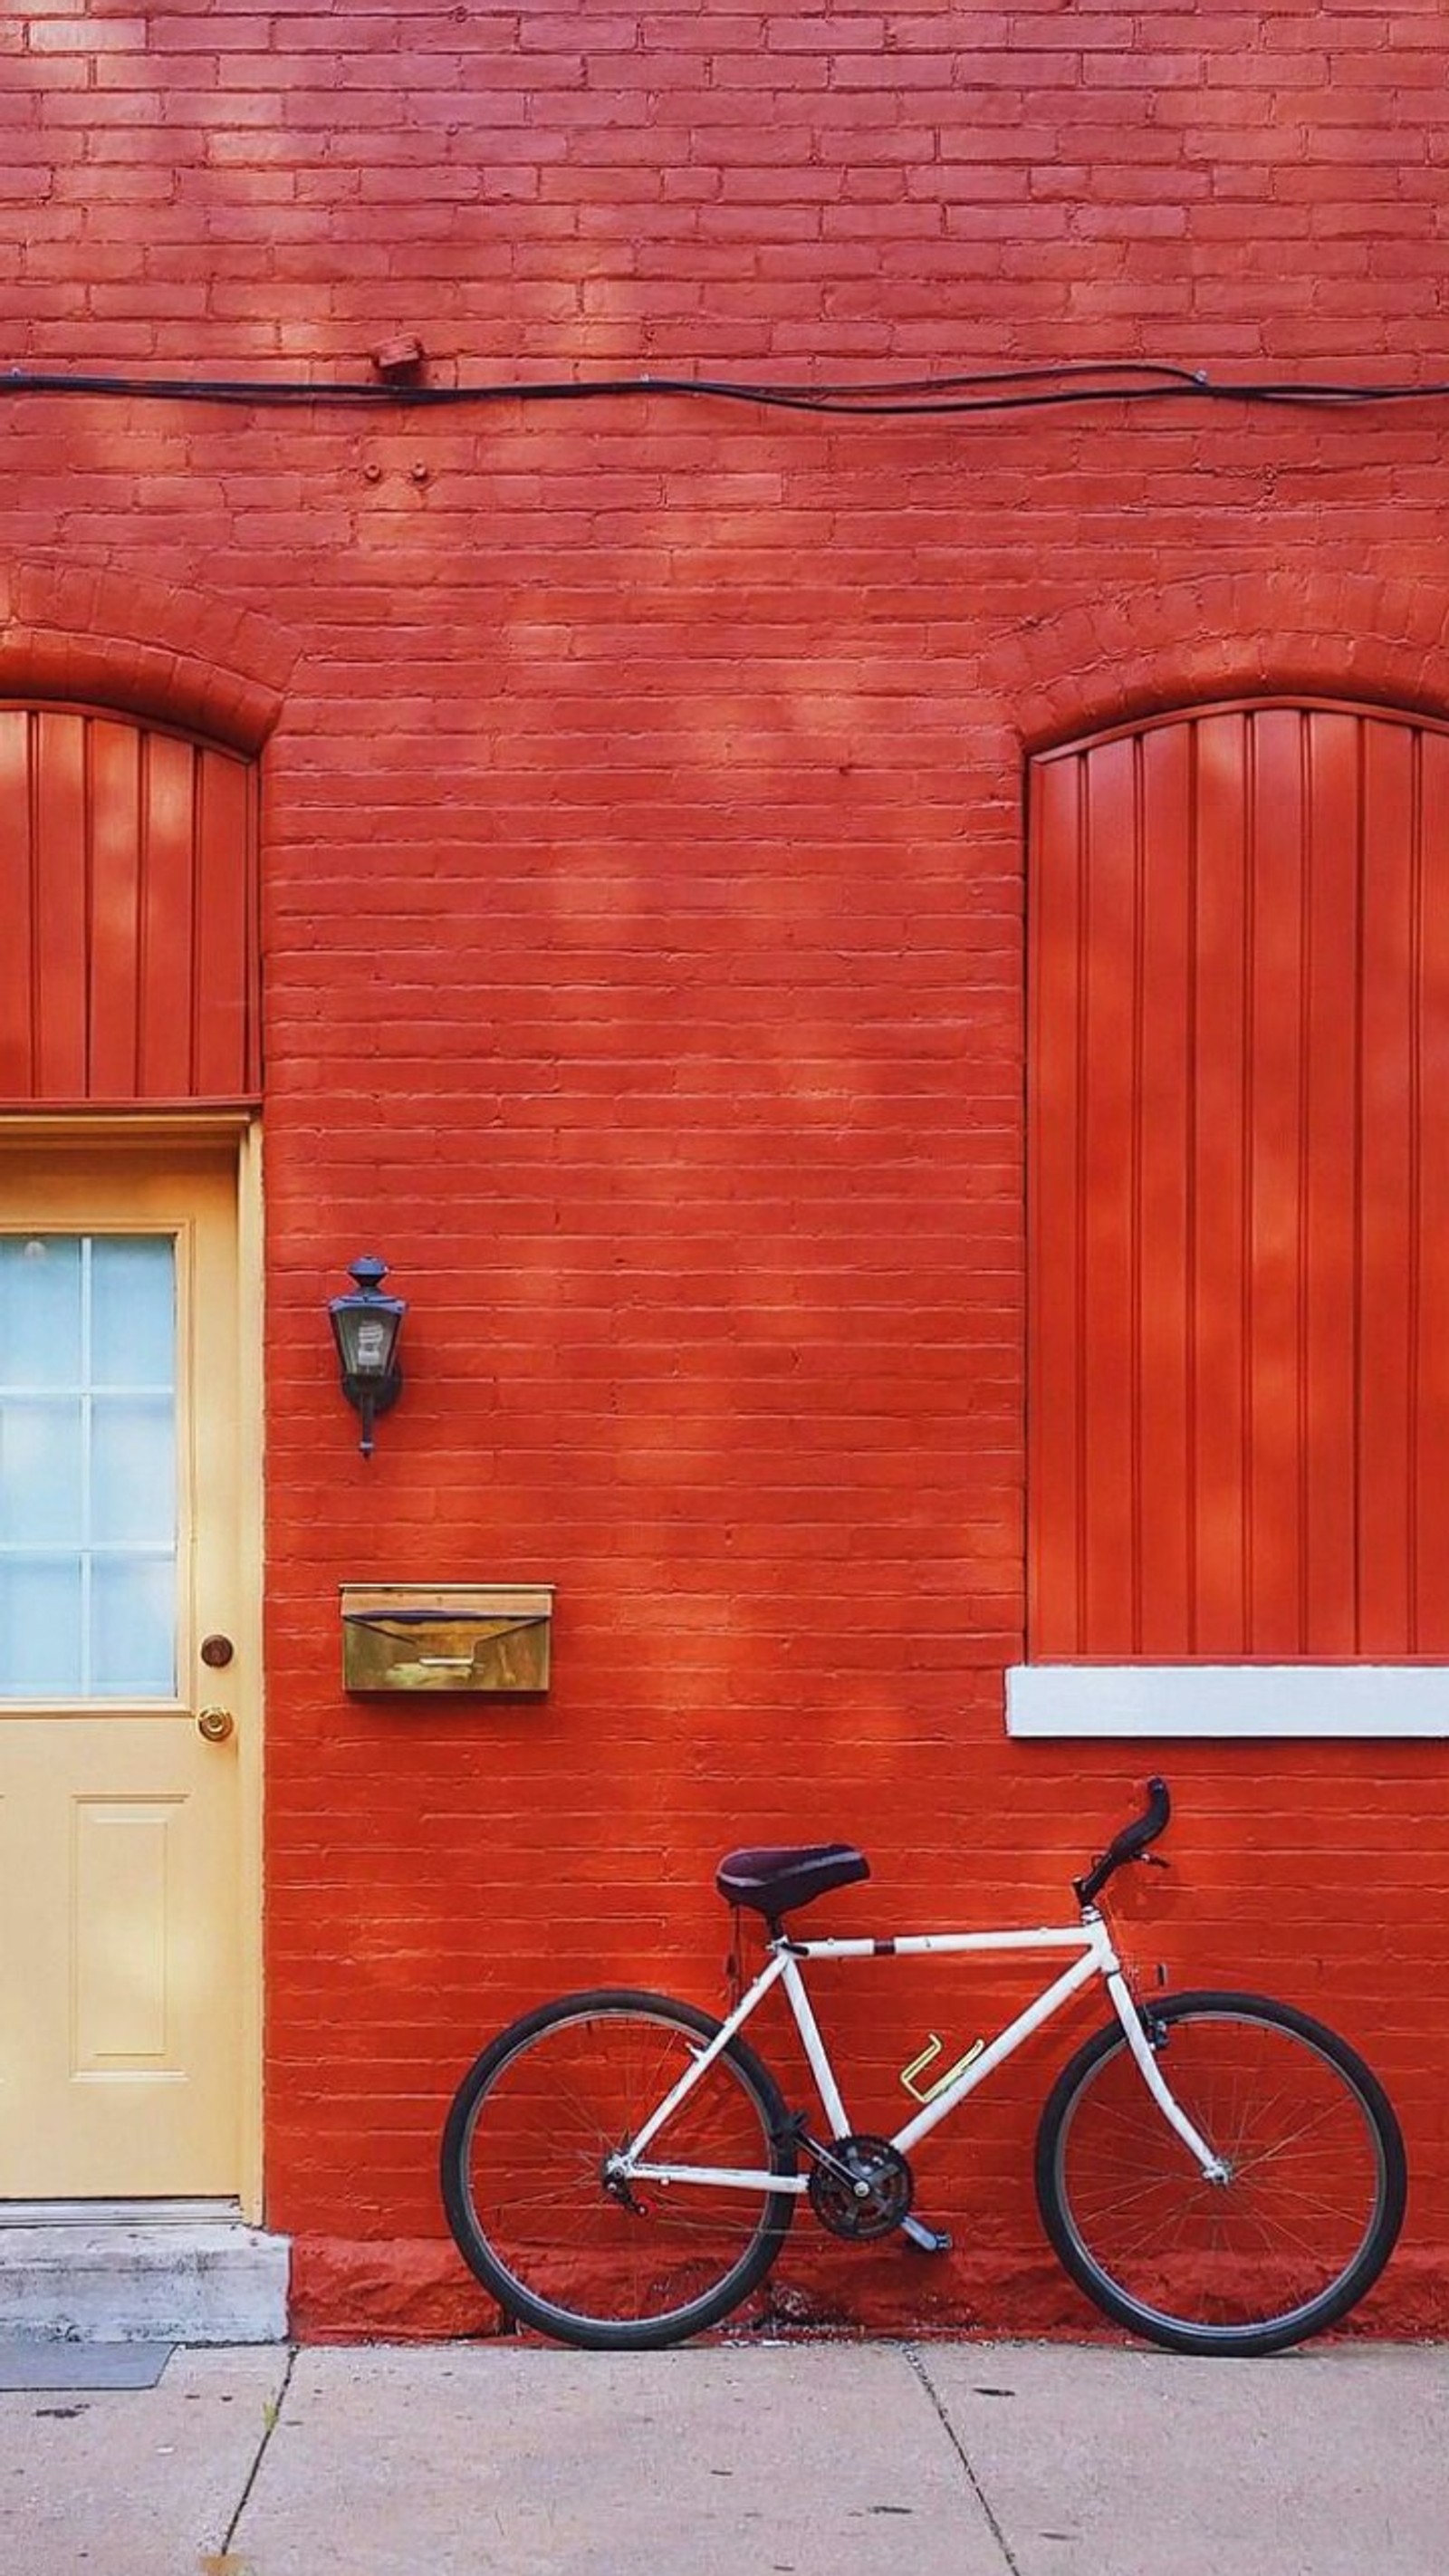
point(769, 2460)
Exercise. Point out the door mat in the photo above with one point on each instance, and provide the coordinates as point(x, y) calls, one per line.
point(34, 2361)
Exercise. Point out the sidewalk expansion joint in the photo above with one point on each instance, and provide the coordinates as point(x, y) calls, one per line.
point(270, 2421)
point(916, 2363)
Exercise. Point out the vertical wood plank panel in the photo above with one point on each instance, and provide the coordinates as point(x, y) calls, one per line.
point(1431, 1465)
point(1108, 1164)
point(1330, 1215)
point(224, 950)
point(169, 1003)
point(1219, 1351)
point(17, 909)
point(1057, 1025)
point(1165, 1193)
point(1388, 1117)
point(113, 979)
point(1274, 1286)
point(62, 904)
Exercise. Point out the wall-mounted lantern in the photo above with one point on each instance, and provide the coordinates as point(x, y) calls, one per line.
point(365, 1328)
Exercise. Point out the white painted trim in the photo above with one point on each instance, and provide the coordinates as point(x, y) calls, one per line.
point(1228, 1699)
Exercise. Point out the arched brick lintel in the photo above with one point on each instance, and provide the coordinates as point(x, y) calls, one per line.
point(1136, 654)
point(147, 648)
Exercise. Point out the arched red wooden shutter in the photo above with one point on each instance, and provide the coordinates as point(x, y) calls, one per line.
point(1239, 1191)
point(128, 894)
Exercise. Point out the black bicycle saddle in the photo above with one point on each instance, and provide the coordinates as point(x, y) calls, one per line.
point(776, 1877)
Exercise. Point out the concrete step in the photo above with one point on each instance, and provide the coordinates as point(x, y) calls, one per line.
point(133, 2280)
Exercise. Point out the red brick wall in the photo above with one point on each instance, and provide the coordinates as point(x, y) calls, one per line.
point(643, 891)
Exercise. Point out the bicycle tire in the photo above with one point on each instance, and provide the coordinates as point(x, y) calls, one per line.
point(522, 2180)
point(1278, 2252)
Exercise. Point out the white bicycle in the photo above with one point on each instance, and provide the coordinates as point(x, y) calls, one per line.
point(1218, 2172)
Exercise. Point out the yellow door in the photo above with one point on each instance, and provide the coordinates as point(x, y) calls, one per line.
point(121, 1959)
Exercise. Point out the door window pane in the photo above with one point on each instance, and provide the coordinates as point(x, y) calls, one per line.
point(133, 1320)
point(41, 1627)
point(133, 1468)
point(132, 1653)
point(42, 1470)
point(88, 1470)
point(40, 1309)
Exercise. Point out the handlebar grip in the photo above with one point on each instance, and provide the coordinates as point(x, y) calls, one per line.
point(1159, 1809)
point(1130, 1843)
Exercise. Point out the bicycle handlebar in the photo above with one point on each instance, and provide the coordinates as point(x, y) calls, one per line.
point(1130, 1844)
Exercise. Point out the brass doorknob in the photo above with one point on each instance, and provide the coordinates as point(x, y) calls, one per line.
point(216, 1724)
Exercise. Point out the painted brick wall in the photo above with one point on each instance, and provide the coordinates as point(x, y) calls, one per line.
point(643, 916)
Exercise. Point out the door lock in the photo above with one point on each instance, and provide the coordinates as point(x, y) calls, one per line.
point(216, 1724)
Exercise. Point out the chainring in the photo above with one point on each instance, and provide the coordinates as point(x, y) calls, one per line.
point(844, 2206)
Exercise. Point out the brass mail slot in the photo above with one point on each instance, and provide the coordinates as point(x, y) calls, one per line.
point(446, 1637)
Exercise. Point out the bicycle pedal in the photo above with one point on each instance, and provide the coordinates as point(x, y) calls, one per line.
point(926, 2240)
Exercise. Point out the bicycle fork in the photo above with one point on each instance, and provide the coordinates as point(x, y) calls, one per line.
point(1212, 2166)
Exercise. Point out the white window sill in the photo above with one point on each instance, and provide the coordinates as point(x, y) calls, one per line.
point(1228, 1699)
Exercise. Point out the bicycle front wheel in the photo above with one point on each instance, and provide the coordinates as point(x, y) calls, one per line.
point(534, 2211)
point(1308, 2213)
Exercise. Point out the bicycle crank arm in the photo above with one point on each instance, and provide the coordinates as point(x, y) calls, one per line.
point(926, 2240)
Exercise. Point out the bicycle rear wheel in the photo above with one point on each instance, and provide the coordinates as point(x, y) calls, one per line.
point(1306, 2219)
point(524, 2185)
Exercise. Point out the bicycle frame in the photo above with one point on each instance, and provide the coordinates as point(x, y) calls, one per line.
point(1095, 1956)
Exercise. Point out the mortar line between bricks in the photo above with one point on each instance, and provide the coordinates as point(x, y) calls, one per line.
point(270, 2420)
point(917, 2364)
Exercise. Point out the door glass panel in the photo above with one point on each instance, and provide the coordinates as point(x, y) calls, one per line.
point(132, 1653)
point(88, 1482)
point(133, 1468)
point(42, 1472)
point(41, 1621)
point(40, 1309)
point(133, 1319)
